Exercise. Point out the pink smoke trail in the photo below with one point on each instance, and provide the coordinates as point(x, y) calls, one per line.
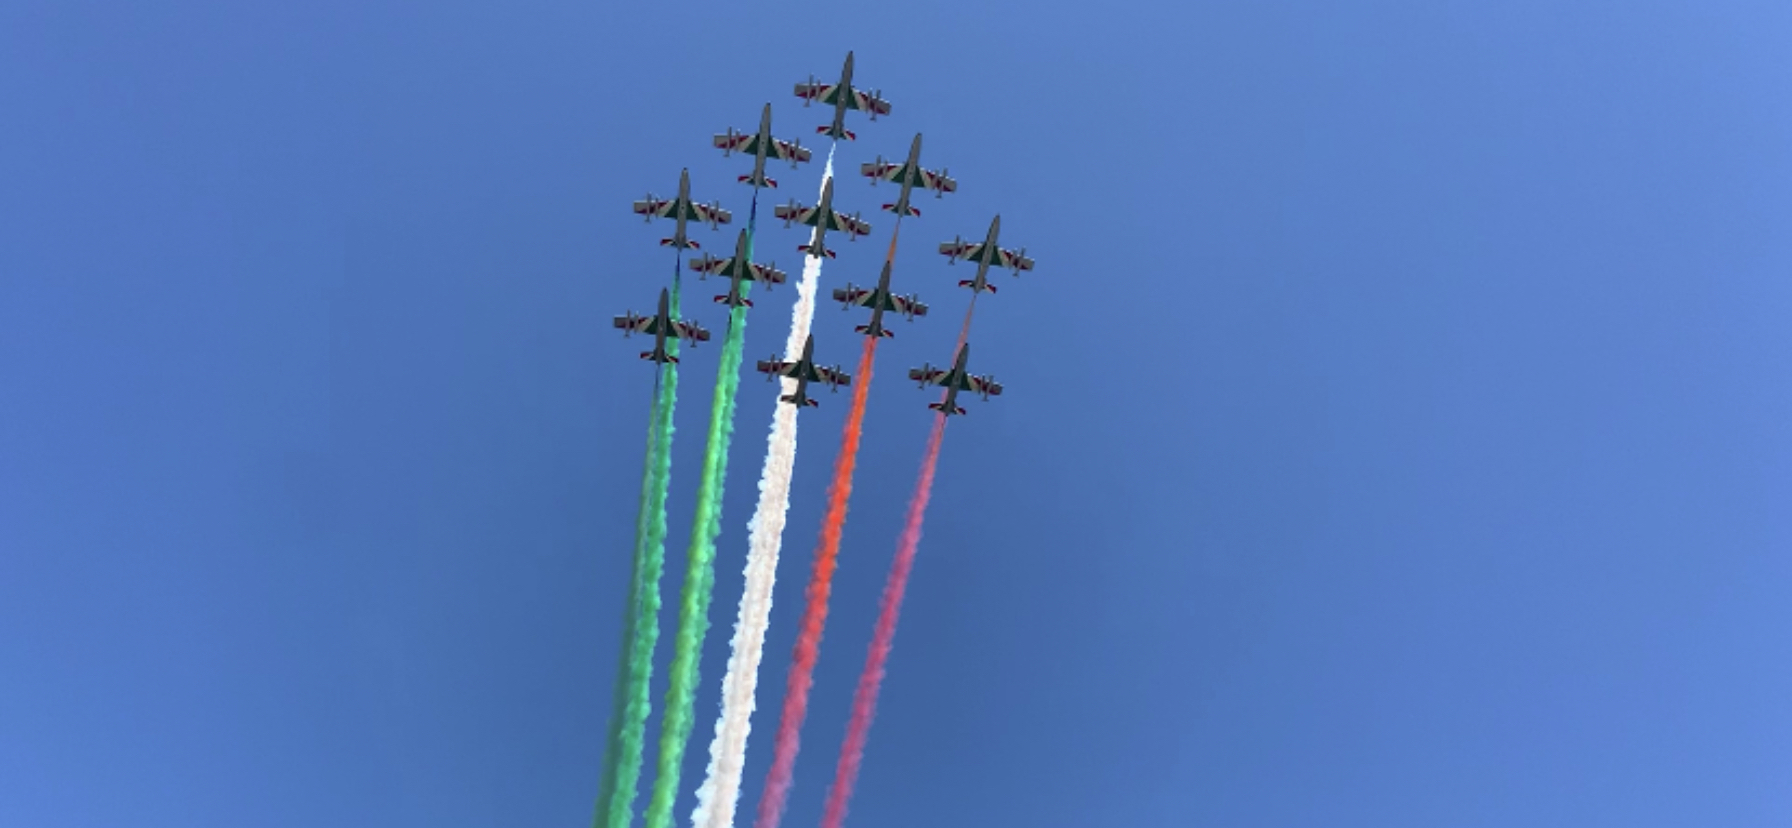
point(864, 700)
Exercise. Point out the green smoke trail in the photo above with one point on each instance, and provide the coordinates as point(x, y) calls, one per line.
point(700, 575)
point(632, 700)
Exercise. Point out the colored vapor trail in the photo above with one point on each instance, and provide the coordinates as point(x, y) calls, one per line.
point(801, 676)
point(633, 699)
point(720, 791)
point(864, 700)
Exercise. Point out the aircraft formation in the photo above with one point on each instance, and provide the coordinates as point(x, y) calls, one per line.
point(822, 218)
point(824, 223)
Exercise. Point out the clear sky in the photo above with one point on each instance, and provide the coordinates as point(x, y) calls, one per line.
point(1395, 430)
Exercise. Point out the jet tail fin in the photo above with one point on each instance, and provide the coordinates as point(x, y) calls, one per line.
point(941, 408)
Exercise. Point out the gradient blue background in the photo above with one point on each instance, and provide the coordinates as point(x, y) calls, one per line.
point(1396, 427)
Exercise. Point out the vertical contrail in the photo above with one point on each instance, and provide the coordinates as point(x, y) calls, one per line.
point(721, 785)
point(864, 701)
point(801, 676)
point(633, 700)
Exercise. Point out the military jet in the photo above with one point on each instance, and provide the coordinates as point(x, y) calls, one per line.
point(909, 174)
point(984, 255)
point(661, 326)
point(841, 96)
point(761, 147)
point(738, 269)
point(879, 299)
point(681, 209)
point(804, 371)
point(955, 380)
point(823, 218)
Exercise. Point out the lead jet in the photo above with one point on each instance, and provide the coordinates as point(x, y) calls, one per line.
point(841, 96)
point(804, 372)
point(879, 299)
point(738, 268)
point(910, 175)
point(661, 325)
point(823, 218)
point(681, 209)
point(761, 147)
point(954, 381)
point(984, 255)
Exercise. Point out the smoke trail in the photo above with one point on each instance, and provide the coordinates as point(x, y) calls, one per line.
point(864, 700)
point(720, 791)
point(694, 620)
point(632, 700)
point(815, 612)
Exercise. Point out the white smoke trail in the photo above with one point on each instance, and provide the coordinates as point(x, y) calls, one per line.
point(720, 792)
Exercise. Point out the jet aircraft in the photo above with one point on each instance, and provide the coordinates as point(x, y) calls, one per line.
point(804, 371)
point(738, 269)
point(761, 147)
point(910, 175)
point(841, 96)
point(681, 209)
point(984, 255)
point(879, 299)
point(661, 325)
point(823, 218)
point(955, 380)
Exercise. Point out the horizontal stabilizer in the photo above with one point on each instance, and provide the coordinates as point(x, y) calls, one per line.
point(913, 211)
point(940, 407)
point(690, 245)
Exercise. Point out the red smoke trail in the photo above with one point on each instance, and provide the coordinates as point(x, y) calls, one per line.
point(815, 614)
point(864, 700)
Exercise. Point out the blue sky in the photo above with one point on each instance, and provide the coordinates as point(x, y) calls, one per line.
point(1394, 431)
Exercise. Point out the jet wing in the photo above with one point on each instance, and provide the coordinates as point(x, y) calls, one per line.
point(984, 385)
point(778, 367)
point(800, 215)
point(711, 264)
point(962, 250)
point(886, 171)
point(856, 296)
point(1015, 261)
point(638, 324)
point(768, 274)
point(711, 214)
point(937, 182)
point(867, 102)
point(907, 306)
point(819, 92)
point(786, 151)
point(833, 377)
point(931, 376)
point(691, 331)
point(738, 142)
point(847, 224)
point(661, 207)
